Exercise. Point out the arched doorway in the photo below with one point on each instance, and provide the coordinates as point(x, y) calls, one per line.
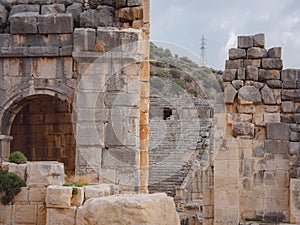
point(42, 129)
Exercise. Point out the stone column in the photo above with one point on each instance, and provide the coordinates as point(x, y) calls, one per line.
point(5, 147)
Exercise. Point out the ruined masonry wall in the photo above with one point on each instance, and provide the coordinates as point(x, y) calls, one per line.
point(92, 54)
point(260, 150)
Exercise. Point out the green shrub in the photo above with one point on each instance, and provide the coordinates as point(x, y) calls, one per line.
point(175, 73)
point(188, 79)
point(180, 83)
point(17, 157)
point(11, 185)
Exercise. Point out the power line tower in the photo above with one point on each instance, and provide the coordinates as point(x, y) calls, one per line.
point(203, 51)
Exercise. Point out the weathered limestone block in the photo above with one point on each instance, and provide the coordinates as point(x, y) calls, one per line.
point(101, 17)
point(234, 64)
point(271, 117)
point(41, 2)
point(287, 106)
point(24, 214)
point(274, 84)
point(58, 196)
point(279, 131)
point(256, 53)
point(294, 136)
point(251, 73)
point(84, 39)
point(97, 191)
point(3, 16)
point(237, 84)
point(19, 169)
point(289, 75)
point(24, 23)
point(241, 74)
point(37, 195)
point(120, 3)
point(55, 24)
point(237, 53)
point(249, 94)
point(22, 197)
point(51, 9)
point(277, 146)
point(129, 209)
point(245, 42)
point(42, 174)
point(243, 129)
point(77, 196)
point(229, 75)
point(268, 96)
point(24, 8)
point(272, 63)
point(252, 62)
point(259, 40)
point(229, 94)
point(75, 9)
point(291, 95)
point(294, 148)
point(137, 24)
point(57, 216)
point(134, 2)
point(6, 214)
point(69, 2)
point(131, 13)
point(95, 3)
point(274, 52)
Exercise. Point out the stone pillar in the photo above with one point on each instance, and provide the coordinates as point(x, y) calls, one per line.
point(5, 147)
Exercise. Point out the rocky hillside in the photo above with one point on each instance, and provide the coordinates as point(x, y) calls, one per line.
point(180, 76)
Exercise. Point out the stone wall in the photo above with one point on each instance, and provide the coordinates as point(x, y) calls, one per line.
point(92, 55)
point(259, 152)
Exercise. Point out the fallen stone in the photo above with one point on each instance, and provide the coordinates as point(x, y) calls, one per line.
point(24, 23)
point(229, 75)
point(245, 42)
point(44, 173)
point(274, 52)
point(268, 96)
point(229, 94)
point(51, 9)
point(249, 94)
point(259, 40)
point(277, 131)
point(24, 8)
point(150, 209)
point(272, 63)
point(58, 196)
point(251, 73)
point(256, 53)
point(243, 129)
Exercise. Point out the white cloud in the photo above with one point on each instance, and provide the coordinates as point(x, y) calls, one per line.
point(231, 41)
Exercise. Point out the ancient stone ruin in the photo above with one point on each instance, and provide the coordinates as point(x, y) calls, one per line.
point(74, 84)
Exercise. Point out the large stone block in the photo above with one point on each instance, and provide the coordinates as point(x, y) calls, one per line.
point(289, 75)
point(229, 75)
point(259, 40)
point(277, 146)
point(237, 53)
point(243, 129)
point(44, 173)
point(84, 39)
point(97, 191)
point(249, 94)
point(103, 16)
point(95, 3)
point(6, 214)
point(24, 8)
point(278, 131)
point(134, 3)
point(251, 73)
point(129, 209)
point(245, 42)
point(61, 216)
point(131, 13)
point(37, 195)
point(24, 214)
point(256, 53)
point(75, 9)
point(3, 16)
point(272, 63)
point(24, 23)
point(52, 9)
point(229, 94)
point(291, 95)
point(19, 169)
point(274, 52)
point(55, 24)
point(268, 96)
point(58, 196)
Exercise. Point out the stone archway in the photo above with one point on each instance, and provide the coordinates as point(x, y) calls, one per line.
point(42, 129)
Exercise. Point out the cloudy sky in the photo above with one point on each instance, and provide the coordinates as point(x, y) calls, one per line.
point(179, 25)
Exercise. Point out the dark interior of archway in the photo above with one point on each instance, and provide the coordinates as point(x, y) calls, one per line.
point(43, 131)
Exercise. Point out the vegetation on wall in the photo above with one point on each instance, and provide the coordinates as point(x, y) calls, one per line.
point(17, 157)
point(10, 185)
